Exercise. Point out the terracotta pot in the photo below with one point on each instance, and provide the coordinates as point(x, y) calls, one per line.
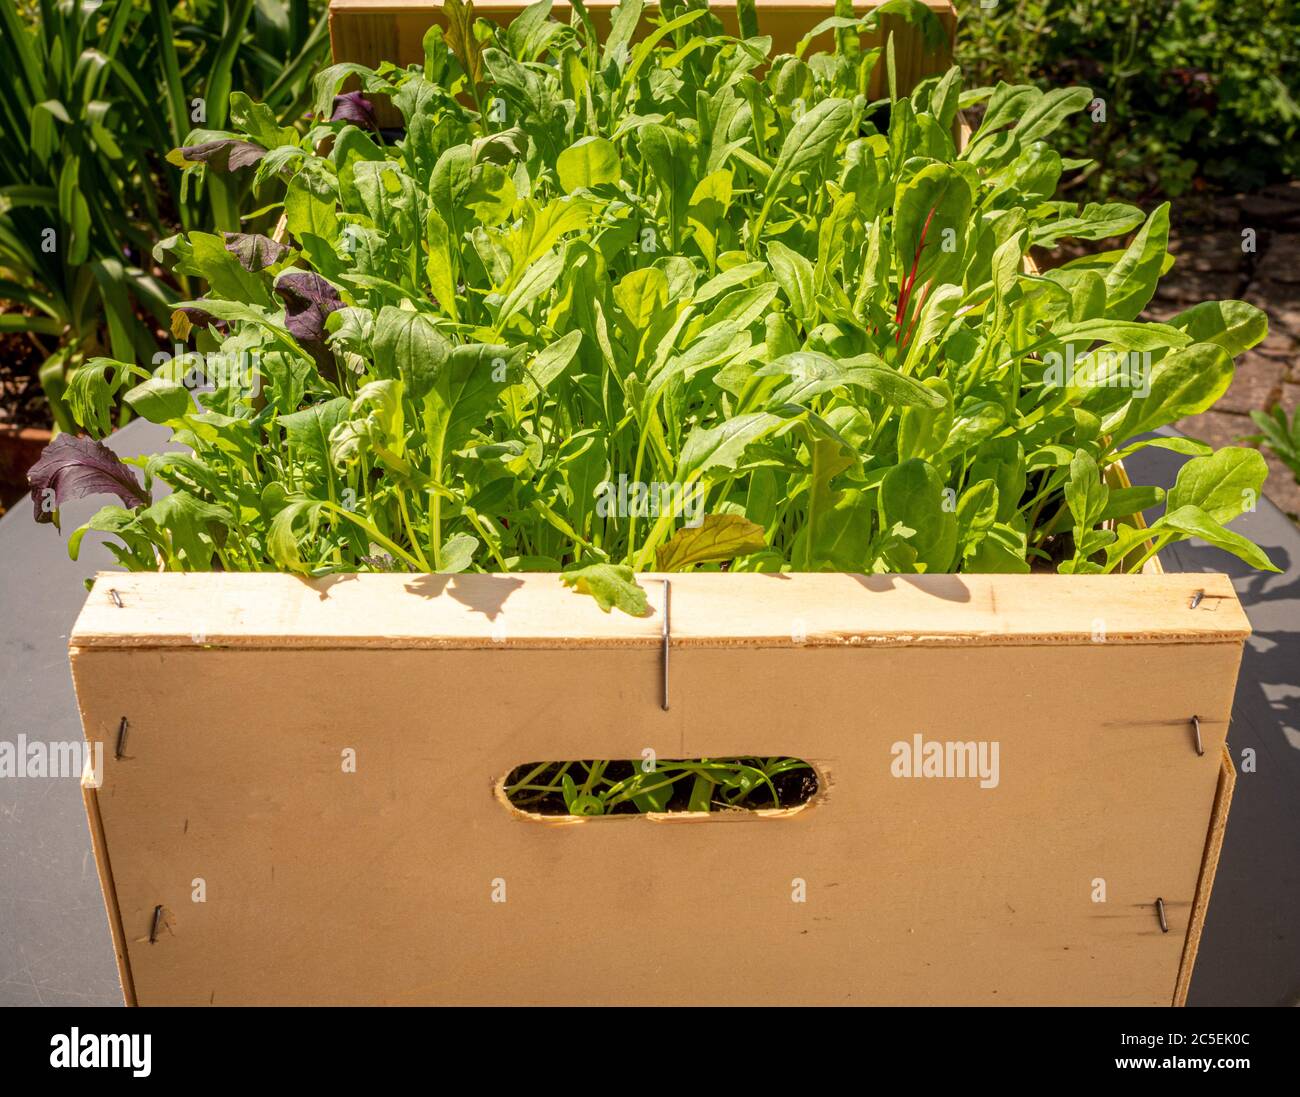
point(19, 449)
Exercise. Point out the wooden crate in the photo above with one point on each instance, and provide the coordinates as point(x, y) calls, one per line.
point(242, 693)
point(370, 31)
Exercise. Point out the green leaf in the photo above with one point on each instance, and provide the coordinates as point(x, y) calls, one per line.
point(1194, 522)
point(410, 346)
point(912, 494)
point(623, 25)
point(190, 526)
point(1127, 502)
point(1233, 325)
point(1001, 552)
point(307, 433)
point(810, 141)
point(932, 218)
point(1128, 334)
point(588, 162)
point(461, 38)
point(669, 154)
point(90, 393)
point(843, 532)
point(551, 362)
point(160, 400)
point(794, 274)
point(532, 283)
point(458, 552)
point(1186, 382)
point(612, 585)
point(811, 373)
point(1223, 484)
point(209, 257)
point(460, 395)
point(438, 267)
point(283, 540)
point(709, 447)
point(705, 212)
point(642, 295)
point(1085, 493)
point(1131, 282)
point(491, 194)
point(1095, 222)
point(1045, 115)
point(309, 203)
point(540, 231)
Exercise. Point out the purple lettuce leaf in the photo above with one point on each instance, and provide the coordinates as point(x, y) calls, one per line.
point(308, 300)
point(354, 107)
point(254, 251)
point(226, 154)
point(73, 467)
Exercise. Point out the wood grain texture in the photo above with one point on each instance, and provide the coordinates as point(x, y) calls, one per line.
point(376, 886)
point(174, 609)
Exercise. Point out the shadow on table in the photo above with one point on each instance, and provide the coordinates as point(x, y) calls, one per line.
point(1250, 950)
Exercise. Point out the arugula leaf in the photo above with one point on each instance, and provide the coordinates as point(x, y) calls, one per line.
point(611, 585)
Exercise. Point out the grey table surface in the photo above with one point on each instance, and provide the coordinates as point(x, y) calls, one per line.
point(54, 941)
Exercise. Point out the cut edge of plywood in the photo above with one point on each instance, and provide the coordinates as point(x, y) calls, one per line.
point(99, 846)
point(1209, 866)
point(275, 610)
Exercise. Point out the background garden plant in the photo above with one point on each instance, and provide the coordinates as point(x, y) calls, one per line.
point(94, 94)
point(1279, 435)
point(1197, 92)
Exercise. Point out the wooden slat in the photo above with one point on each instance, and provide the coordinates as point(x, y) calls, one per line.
point(175, 609)
point(370, 31)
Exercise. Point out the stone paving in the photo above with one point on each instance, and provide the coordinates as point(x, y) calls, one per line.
point(1211, 264)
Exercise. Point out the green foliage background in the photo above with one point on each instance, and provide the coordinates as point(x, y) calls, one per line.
point(1195, 90)
point(92, 97)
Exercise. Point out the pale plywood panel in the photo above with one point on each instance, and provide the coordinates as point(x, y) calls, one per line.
point(375, 886)
point(260, 609)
